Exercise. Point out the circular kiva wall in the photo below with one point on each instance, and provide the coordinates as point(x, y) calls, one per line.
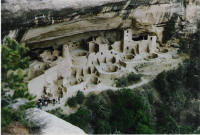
point(110, 68)
point(153, 55)
point(80, 53)
point(73, 82)
point(94, 80)
point(128, 57)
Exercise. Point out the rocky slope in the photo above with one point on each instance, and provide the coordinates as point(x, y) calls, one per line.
point(50, 124)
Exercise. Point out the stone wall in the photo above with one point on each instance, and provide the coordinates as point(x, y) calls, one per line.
point(140, 45)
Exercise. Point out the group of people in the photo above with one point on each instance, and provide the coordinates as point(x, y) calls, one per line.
point(49, 98)
point(45, 101)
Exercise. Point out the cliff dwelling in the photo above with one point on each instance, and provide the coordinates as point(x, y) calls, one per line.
point(93, 63)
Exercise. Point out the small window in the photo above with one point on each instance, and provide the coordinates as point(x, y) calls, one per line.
point(127, 48)
point(151, 38)
point(101, 53)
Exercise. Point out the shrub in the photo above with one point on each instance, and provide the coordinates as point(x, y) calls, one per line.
point(160, 83)
point(121, 82)
point(132, 110)
point(169, 29)
point(197, 131)
point(151, 96)
point(72, 102)
point(127, 112)
point(103, 127)
point(81, 118)
point(133, 77)
point(177, 101)
point(59, 113)
point(143, 129)
point(80, 97)
point(14, 64)
point(128, 80)
point(93, 101)
point(7, 114)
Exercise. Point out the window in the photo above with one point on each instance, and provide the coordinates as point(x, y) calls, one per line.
point(137, 48)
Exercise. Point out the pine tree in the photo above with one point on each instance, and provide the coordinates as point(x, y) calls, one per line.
point(13, 71)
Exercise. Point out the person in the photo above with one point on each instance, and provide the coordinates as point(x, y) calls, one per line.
point(48, 100)
point(45, 103)
point(45, 90)
point(54, 101)
point(40, 100)
point(45, 98)
point(38, 104)
point(58, 100)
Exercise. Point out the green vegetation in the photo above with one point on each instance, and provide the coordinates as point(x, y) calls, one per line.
point(125, 112)
point(134, 112)
point(128, 80)
point(177, 88)
point(180, 84)
point(197, 131)
point(7, 114)
point(190, 44)
point(166, 124)
point(72, 102)
point(170, 30)
point(14, 63)
point(81, 118)
point(78, 99)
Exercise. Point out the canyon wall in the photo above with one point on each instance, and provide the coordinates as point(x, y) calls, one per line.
point(45, 23)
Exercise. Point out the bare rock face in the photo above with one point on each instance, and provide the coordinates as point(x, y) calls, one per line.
point(48, 20)
point(44, 21)
point(50, 124)
point(24, 14)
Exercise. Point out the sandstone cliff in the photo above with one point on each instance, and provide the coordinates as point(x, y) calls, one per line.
point(46, 21)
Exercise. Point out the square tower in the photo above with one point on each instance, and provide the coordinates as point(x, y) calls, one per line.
point(127, 39)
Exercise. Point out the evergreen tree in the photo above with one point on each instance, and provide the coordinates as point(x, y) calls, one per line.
point(14, 65)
